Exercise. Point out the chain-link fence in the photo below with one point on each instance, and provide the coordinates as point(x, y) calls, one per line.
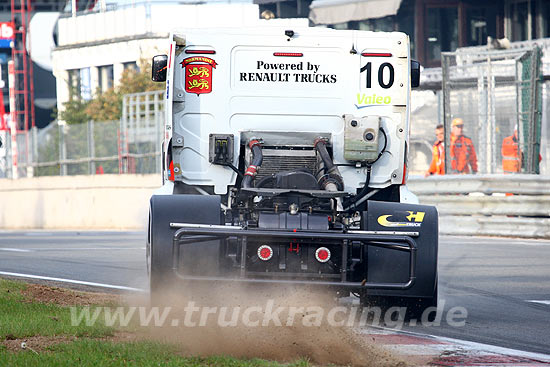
point(141, 131)
point(131, 145)
point(495, 93)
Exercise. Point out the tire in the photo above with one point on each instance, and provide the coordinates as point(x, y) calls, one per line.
point(159, 255)
point(163, 210)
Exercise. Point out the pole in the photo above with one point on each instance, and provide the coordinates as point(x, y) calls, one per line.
point(13, 119)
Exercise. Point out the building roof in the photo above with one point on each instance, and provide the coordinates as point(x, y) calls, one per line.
point(341, 11)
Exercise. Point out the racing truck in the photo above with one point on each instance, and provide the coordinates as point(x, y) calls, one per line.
point(285, 162)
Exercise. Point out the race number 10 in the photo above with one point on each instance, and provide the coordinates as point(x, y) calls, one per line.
point(381, 82)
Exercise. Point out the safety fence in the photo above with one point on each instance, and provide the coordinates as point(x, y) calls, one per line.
point(488, 205)
point(129, 145)
point(497, 94)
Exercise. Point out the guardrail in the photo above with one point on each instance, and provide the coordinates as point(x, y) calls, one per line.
point(489, 205)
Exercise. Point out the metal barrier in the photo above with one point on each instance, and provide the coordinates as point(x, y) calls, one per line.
point(488, 205)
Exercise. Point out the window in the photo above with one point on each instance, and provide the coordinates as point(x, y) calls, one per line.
point(441, 31)
point(520, 26)
point(131, 65)
point(106, 77)
point(526, 19)
point(480, 23)
point(545, 20)
point(74, 83)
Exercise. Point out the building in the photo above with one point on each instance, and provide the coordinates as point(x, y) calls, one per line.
point(95, 47)
point(434, 26)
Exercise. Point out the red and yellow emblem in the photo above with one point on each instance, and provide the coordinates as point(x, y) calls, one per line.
point(198, 74)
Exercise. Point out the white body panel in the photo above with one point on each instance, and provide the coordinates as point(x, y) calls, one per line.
point(288, 100)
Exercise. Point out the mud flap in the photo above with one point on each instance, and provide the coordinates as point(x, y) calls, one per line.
point(386, 265)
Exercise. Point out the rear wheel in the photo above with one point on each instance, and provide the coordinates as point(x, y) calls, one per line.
point(159, 254)
point(166, 209)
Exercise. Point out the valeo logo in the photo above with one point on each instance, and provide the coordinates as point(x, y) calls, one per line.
point(413, 219)
point(369, 100)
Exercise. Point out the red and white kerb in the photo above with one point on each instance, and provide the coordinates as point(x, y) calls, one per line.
point(322, 254)
point(265, 252)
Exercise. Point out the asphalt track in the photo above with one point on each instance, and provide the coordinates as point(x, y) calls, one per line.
point(502, 283)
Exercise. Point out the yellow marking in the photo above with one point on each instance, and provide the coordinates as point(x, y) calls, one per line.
point(200, 71)
point(418, 216)
point(201, 84)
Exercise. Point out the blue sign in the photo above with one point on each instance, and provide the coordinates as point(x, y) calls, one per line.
point(6, 43)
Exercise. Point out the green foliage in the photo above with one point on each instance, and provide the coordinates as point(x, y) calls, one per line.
point(74, 111)
point(20, 318)
point(87, 352)
point(107, 106)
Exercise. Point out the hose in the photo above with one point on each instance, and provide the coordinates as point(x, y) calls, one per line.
point(332, 179)
point(257, 158)
point(357, 199)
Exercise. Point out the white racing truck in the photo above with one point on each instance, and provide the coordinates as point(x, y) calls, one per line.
point(285, 161)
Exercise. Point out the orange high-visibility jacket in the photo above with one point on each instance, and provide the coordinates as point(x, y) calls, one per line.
point(463, 155)
point(437, 167)
point(511, 160)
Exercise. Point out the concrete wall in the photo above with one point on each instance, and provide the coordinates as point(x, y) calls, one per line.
point(77, 202)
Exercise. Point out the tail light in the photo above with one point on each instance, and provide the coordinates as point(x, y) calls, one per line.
point(322, 254)
point(265, 252)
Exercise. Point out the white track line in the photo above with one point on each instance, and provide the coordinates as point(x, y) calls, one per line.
point(14, 249)
point(474, 345)
point(82, 248)
point(541, 302)
point(72, 281)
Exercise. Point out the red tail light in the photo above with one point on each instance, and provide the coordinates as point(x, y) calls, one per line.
point(322, 254)
point(376, 54)
point(209, 52)
point(288, 54)
point(265, 252)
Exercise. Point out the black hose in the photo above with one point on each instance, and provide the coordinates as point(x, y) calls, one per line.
point(265, 180)
point(257, 158)
point(332, 174)
point(230, 165)
point(321, 147)
point(365, 188)
point(363, 191)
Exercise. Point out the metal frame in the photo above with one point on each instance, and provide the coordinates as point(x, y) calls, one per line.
point(399, 241)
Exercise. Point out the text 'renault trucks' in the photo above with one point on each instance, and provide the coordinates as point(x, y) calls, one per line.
point(285, 161)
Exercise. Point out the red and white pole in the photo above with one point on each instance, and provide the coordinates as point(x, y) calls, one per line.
point(13, 119)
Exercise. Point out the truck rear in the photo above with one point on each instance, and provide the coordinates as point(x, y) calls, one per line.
point(285, 158)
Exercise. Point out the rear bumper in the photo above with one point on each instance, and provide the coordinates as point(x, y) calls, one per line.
point(396, 241)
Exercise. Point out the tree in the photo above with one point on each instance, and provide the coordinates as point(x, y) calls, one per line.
point(74, 111)
point(107, 106)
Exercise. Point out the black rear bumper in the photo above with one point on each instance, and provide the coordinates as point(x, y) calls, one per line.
point(194, 233)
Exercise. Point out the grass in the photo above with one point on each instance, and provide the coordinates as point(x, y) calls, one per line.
point(20, 319)
point(90, 352)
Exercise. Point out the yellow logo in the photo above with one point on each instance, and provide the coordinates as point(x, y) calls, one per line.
point(201, 84)
point(414, 220)
point(200, 71)
point(364, 100)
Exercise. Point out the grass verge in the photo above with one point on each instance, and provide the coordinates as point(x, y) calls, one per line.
point(45, 326)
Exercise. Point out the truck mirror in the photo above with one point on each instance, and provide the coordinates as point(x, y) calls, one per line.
point(415, 74)
point(160, 65)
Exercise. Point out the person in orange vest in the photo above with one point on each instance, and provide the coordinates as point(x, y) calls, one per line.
point(437, 167)
point(462, 151)
point(511, 155)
